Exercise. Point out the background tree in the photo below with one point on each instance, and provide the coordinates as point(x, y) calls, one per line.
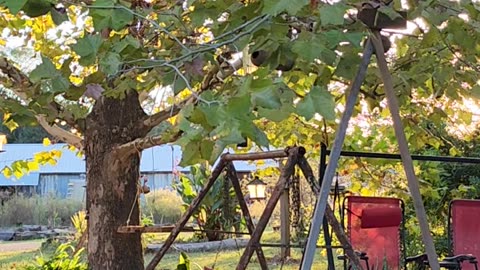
point(127, 75)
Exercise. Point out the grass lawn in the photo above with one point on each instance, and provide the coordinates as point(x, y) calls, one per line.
point(227, 259)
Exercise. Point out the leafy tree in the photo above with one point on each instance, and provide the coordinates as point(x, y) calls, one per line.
point(127, 75)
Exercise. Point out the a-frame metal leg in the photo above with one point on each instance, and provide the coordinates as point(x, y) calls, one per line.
point(322, 199)
point(232, 175)
point(184, 219)
point(413, 185)
point(287, 171)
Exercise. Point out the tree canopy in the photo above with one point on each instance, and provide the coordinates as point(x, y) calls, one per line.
point(210, 74)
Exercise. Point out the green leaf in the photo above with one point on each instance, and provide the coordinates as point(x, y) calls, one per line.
point(268, 98)
point(274, 7)
point(120, 18)
point(14, 5)
point(332, 14)
point(276, 115)
point(116, 17)
point(318, 100)
point(310, 48)
point(306, 107)
point(110, 63)
point(348, 65)
point(46, 70)
point(190, 154)
point(35, 8)
point(87, 48)
point(206, 148)
point(239, 106)
point(58, 17)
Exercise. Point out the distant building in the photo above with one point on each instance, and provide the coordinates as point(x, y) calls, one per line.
point(66, 179)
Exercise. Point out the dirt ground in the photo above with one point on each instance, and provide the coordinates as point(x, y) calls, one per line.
point(10, 246)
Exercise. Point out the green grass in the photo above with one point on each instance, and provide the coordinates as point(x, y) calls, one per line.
point(221, 260)
point(229, 259)
point(17, 260)
point(226, 259)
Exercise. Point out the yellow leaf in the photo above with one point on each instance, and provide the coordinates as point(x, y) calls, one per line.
point(18, 174)
point(56, 153)
point(33, 166)
point(46, 142)
point(52, 162)
point(7, 172)
point(6, 116)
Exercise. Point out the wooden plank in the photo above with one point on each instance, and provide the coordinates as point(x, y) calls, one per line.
point(413, 185)
point(232, 175)
point(151, 229)
point(256, 156)
point(272, 202)
point(186, 216)
point(322, 200)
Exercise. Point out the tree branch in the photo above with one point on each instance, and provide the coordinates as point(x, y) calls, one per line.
point(18, 82)
point(214, 76)
point(59, 133)
point(141, 144)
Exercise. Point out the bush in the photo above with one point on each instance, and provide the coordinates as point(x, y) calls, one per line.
point(64, 258)
point(163, 206)
point(38, 210)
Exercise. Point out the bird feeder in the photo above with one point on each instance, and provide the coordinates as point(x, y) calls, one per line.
point(256, 189)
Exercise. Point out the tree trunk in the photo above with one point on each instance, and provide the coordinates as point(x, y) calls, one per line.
point(112, 184)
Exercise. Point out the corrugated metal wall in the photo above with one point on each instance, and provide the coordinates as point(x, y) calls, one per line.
point(58, 184)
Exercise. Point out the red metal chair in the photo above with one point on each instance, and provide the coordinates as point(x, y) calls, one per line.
point(464, 234)
point(463, 237)
point(375, 230)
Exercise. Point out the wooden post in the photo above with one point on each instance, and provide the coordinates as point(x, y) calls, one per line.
point(293, 154)
point(413, 185)
point(184, 219)
point(285, 224)
point(330, 216)
point(307, 259)
point(232, 175)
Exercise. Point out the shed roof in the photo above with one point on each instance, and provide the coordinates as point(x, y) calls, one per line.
point(156, 159)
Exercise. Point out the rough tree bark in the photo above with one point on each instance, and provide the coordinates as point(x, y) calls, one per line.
point(112, 184)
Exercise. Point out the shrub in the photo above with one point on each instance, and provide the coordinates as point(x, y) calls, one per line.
point(64, 258)
point(38, 210)
point(163, 206)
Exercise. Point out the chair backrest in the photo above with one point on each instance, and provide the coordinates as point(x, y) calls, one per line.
point(374, 227)
point(465, 232)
